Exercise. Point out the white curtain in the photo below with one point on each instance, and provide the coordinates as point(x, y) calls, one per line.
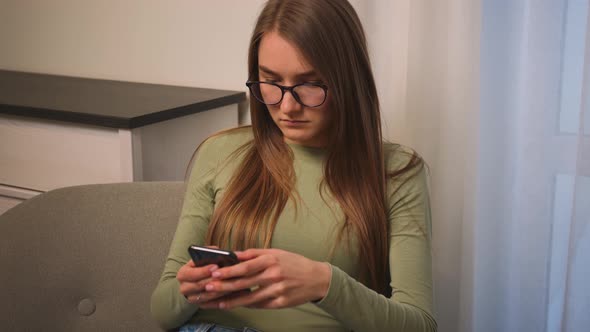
point(496, 96)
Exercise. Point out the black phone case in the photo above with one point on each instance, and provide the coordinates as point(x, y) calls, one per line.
point(202, 256)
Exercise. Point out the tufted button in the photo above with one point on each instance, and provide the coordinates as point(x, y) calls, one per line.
point(86, 307)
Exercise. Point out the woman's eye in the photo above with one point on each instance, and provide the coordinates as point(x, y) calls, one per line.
point(270, 80)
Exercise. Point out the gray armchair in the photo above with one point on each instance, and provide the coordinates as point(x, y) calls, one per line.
point(86, 258)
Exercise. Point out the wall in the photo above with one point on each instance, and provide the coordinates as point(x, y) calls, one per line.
point(200, 43)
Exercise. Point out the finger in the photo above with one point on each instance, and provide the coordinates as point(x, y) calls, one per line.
point(246, 268)
point(190, 288)
point(202, 297)
point(237, 299)
point(260, 295)
point(250, 254)
point(193, 298)
point(234, 285)
point(213, 303)
point(195, 273)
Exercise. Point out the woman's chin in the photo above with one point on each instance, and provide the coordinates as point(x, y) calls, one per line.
point(304, 140)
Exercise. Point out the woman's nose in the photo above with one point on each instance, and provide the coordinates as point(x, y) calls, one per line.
point(289, 104)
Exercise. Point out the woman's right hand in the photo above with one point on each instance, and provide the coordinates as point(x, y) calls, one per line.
point(192, 281)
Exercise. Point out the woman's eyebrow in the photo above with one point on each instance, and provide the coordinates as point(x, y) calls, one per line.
point(308, 74)
point(268, 71)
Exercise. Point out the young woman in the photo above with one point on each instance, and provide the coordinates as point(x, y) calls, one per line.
point(331, 226)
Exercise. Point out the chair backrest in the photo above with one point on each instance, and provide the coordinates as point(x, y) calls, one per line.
point(86, 258)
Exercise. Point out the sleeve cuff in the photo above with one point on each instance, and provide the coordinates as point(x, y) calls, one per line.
point(333, 289)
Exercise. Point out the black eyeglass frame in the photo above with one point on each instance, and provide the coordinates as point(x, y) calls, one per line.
point(284, 88)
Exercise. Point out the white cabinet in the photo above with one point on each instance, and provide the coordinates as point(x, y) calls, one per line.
point(40, 155)
point(58, 131)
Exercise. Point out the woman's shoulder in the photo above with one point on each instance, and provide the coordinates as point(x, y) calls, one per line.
point(406, 171)
point(217, 148)
point(227, 141)
point(398, 158)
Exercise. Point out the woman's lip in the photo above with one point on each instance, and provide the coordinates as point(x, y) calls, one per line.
point(293, 123)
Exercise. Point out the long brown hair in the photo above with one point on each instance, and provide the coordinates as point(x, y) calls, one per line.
point(329, 34)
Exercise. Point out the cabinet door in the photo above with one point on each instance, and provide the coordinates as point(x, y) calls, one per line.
point(44, 155)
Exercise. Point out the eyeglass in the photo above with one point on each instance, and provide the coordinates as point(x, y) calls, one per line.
point(307, 94)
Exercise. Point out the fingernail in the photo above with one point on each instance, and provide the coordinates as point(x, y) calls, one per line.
point(216, 274)
point(213, 268)
point(209, 287)
point(221, 305)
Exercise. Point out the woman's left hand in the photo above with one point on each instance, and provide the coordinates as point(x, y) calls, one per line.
point(281, 279)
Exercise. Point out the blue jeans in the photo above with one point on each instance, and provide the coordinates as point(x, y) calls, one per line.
point(209, 327)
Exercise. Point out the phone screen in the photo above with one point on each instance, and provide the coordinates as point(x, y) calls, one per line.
point(204, 256)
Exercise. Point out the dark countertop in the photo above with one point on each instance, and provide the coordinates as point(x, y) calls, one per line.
point(104, 103)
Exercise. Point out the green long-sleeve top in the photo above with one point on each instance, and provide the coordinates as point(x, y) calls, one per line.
point(311, 231)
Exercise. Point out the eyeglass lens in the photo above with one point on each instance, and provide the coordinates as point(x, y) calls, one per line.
point(270, 94)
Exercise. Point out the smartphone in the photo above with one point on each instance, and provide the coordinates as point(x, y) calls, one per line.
point(204, 256)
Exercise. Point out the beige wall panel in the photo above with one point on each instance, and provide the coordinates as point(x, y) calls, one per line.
point(166, 147)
